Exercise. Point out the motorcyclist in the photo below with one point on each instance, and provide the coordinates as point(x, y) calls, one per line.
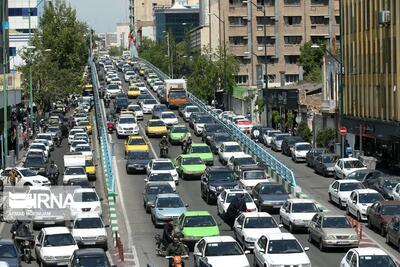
point(52, 171)
point(163, 143)
point(167, 236)
point(237, 206)
point(176, 248)
point(20, 229)
point(186, 144)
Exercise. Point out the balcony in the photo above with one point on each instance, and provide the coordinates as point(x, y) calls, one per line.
point(238, 50)
point(319, 29)
point(329, 106)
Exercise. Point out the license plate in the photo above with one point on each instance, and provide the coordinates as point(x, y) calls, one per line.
point(343, 242)
point(62, 263)
point(139, 168)
point(47, 223)
point(89, 243)
point(277, 206)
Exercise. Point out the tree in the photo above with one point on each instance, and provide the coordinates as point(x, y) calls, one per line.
point(289, 120)
point(115, 51)
point(155, 53)
point(304, 131)
point(325, 136)
point(276, 118)
point(311, 60)
point(59, 56)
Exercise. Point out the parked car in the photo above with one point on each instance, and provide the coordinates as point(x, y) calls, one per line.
point(276, 141)
point(269, 196)
point(167, 207)
point(288, 143)
point(384, 185)
point(393, 231)
point(267, 136)
point(345, 166)
point(215, 180)
point(339, 191)
point(367, 256)
point(325, 164)
point(297, 213)
point(299, 151)
point(360, 200)
point(381, 213)
point(313, 154)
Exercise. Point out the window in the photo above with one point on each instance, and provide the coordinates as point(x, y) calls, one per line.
point(337, 19)
point(319, 20)
point(265, 21)
point(291, 78)
point(237, 21)
point(270, 60)
point(292, 2)
point(292, 59)
point(319, 2)
point(261, 40)
point(318, 39)
point(14, 12)
point(348, 256)
point(237, 40)
point(292, 20)
point(271, 78)
point(293, 40)
point(235, 2)
point(241, 79)
point(266, 2)
point(244, 60)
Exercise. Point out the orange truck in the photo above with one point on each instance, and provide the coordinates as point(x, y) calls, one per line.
point(175, 92)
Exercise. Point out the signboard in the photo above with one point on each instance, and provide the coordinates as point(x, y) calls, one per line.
point(282, 98)
point(343, 130)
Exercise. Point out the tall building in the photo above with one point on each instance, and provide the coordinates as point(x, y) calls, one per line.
point(370, 101)
point(122, 34)
point(3, 36)
point(289, 24)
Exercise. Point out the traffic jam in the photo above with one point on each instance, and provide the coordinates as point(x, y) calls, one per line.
point(175, 144)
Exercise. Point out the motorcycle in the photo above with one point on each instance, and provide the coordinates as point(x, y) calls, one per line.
point(53, 177)
point(25, 245)
point(164, 152)
point(110, 127)
point(177, 261)
point(58, 141)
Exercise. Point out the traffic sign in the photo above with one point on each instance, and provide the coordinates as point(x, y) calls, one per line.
point(343, 130)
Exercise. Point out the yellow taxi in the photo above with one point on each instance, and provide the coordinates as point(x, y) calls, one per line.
point(141, 71)
point(90, 167)
point(133, 81)
point(136, 143)
point(133, 92)
point(87, 125)
point(156, 128)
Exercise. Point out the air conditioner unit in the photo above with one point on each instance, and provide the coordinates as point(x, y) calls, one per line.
point(384, 17)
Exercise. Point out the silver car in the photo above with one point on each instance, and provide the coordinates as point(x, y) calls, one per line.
point(167, 207)
point(332, 230)
point(277, 139)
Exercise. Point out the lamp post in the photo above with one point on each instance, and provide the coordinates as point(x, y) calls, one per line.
point(265, 52)
point(225, 67)
point(169, 53)
point(4, 27)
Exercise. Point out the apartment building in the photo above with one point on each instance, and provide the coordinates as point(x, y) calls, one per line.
point(370, 100)
point(289, 24)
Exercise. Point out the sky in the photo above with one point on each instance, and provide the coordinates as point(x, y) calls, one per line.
point(102, 15)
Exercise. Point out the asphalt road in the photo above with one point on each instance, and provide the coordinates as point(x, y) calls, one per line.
point(140, 230)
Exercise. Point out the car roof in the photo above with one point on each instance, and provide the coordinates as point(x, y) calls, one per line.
point(199, 144)
point(89, 252)
point(230, 143)
point(188, 156)
point(280, 236)
point(81, 215)
point(252, 167)
point(301, 200)
point(219, 238)
point(368, 251)
point(235, 191)
point(56, 230)
point(302, 143)
point(349, 159)
point(196, 213)
point(84, 190)
point(366, 191)
point(161, 160)
point(168, 195)
point(256, 214)
point(348, 181)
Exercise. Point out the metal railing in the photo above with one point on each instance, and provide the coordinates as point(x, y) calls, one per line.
point(252, 147)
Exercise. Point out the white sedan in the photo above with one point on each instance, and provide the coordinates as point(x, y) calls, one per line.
point(345, 166)
point(228, 195)
point(169, 118)
point(297, 213)
point(24, 177)
point(89, 230)
point(148, 105)
point(137, 111)
point(339, 191)
point(228, 150)
point(85, 200)
point(368, 256)
point(220, 251)
point(74, 172)
point(161, 177)
point(163, 165)
point(360, 200)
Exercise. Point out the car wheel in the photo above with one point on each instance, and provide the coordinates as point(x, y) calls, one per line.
point(358, 216)
point(330, 197)
point(321, 245)
point(383, 231)
point(387, 239)
point(309, 238)
point(208, 200)
point(291, 228)
point(340, 204)
point(369, 224)
point(347, 210)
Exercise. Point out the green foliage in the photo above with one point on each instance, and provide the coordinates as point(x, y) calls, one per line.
point(311, 60)
point(59, 56)
point(155, 53)
point(304, 131)
point(325, 136)
point(204, 78)
point(289, 120)
point(276, 118)
point(260, 103)
point(115, 51)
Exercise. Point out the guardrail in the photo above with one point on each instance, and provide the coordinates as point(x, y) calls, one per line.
point(252, 147)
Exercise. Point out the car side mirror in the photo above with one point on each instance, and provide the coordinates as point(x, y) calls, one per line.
point(247, 252)
point(186, 205)
point(106, 226)
point(145, 179)
point(280, 225)
point(197, 254)
point(306, 248)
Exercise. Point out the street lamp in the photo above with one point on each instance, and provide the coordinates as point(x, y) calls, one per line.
point(170, 65)
point(225, 70)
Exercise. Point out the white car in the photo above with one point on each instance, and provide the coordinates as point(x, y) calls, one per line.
point(89, 230)
point(74, 172)
point(250, 226)
point(345, 166)
point(73, 132)
point(54, 246)
point(49, 137)
point(281, 249)
point(199, 122)
point(156, 85)
point(113, 90)
point(367, 256)
point(339, 191)
point(127, 126)
point(116, 80)
point(85, 200)
point(297, 213)
point(80, 117)
point(359, 201)
point(169, 118)
point(250, 176)
point(44, 142)
point(228, 150)
point(84, 149)
point(161, 177)
point(81, 136)
point(300, 150)
point(129, 75)
point(228, 195)
point(161, 165)
point(220, 251)
point(111, 75)
point(75, 143)
point(148, 105)
point(40, 146)
point(188, 110)
point(267, 137)
point(24, 177)
point(137, 111)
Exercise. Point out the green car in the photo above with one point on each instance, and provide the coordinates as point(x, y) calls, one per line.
point(202, 151)
point(176, 133)
point(189, 166)
point(195, 225)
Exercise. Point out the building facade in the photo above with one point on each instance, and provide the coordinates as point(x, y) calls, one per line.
point(370, 101)
point(122, 34)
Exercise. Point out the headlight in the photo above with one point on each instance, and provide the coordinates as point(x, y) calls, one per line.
point(77, 238)
point(101, 237)
point(48, 258)
point(212, 188)
point(330, 237)
point(354, 237)
point(251, 239)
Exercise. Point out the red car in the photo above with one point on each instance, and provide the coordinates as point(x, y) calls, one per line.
point(380, 214)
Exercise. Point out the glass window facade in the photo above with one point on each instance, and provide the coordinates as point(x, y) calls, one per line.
point(21, 12)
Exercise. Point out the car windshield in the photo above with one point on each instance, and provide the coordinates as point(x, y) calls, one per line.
point(134, 108)
point(113, 86)
point(245, 161)
point(93, 261)
point(74, 171)
point(52, 130)
point(85, 223)
point(159, 189)
point(223, 249)
point(83, 183)
point(27, 172)
point(83, 123)
point(254, 175)
point(226, 176)
point(199, 221)
point(85, 197)
point(273, 189)
point(348, 187)
point(280, 137)
point(222, 138)
point(304, 207)
point(7, 251)
point(168, 116)
point(179, 130)
point(233, 148)
point(192, 109)
point(336, 222)
point(284, 246)
point(150, 102)
point(126, 120)
point(83, 149)
point(231, 196)
point(122, 101)
point(329, 159)
point(259, 222)
point(170, 202)
point(201, 149)
point(163, 166)
point(138, 155)
point(177, 94)
point(156, 123)
point(37, 146)
point(204, 119)
point(370, 197)
point(130, 73)
point(58, 240)
point(136, 141)
point(78, 142)
point(353, 164)
point(304, 147)
point(160, 177)
point(391, 209)
point(191, 161)
point(376, 260)
point(34, 160)
point(160, 108)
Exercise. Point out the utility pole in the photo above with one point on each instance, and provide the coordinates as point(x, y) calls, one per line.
point(4, 27)
point(30, 72)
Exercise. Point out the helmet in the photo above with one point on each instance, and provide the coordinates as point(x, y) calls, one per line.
point(164, 137)
point(178, 235)
point(52, 162)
